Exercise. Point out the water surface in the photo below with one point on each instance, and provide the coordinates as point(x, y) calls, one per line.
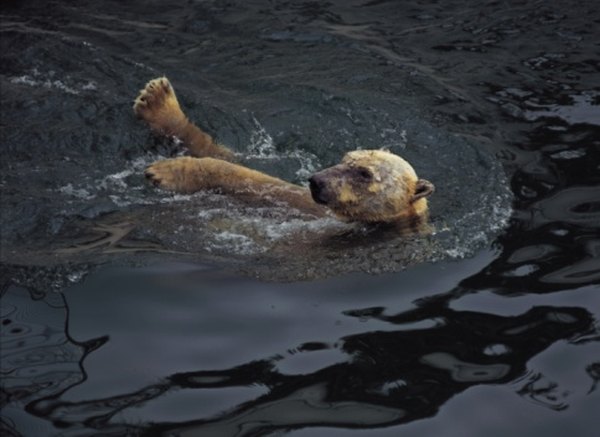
point(130, 311)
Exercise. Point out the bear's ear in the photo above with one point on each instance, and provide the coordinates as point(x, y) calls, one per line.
point(423, 189)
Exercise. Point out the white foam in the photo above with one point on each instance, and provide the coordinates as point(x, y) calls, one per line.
point(47, 80)
point(115, 180)
point(261, 143)
point(237, 243)
point(262, 147)
point(80, 193)
point(116, 186)
point(90, 86)
point(175, 197)
point(255, 230)
point(497, 219)
point(278, 231)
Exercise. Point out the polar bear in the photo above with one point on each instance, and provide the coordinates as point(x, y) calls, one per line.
point(368, 186)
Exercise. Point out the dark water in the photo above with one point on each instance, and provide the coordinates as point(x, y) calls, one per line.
point(127, 311)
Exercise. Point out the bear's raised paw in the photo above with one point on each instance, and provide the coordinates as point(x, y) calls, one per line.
point(157, 105)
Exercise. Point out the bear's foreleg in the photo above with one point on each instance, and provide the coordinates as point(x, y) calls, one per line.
point(158, 106)
point(188, 175)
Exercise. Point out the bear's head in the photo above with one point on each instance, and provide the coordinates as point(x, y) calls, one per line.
point(372, 186)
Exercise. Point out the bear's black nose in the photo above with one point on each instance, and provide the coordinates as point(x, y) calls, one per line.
point(317, 189)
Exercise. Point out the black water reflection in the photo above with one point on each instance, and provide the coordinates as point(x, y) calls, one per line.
point(39, 356)
point(552, 243)
point(387, 377)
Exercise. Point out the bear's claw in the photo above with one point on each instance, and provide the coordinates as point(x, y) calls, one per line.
point(163, 174)
point(152, 178)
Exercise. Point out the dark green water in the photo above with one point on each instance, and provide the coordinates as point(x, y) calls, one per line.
point(130, 311)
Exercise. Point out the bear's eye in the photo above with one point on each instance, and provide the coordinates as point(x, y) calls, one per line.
point(364, 173)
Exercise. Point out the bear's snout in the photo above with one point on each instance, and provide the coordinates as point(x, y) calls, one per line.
point(318, 189)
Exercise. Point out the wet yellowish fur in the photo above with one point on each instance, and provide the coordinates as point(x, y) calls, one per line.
point(367, 186)
point(390, 193)
point(188, 175)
